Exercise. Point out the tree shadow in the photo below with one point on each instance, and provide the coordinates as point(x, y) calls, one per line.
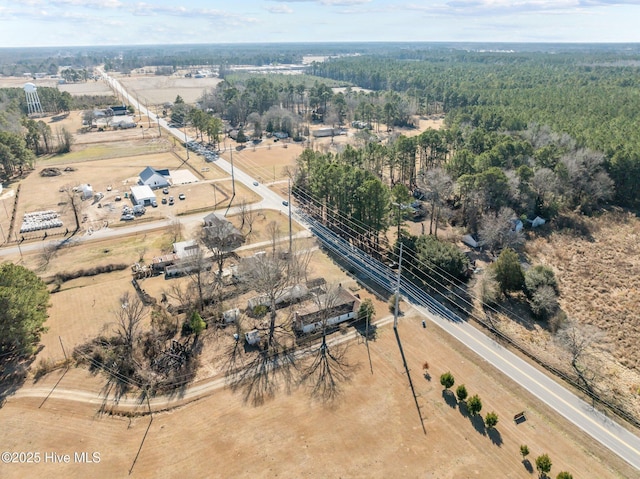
point(13, 374)
point(527, 465)
point(495, 436)
point(478, 424)
point(260, 378)
point(464, 410)
point(449, 398)
point(327, 372)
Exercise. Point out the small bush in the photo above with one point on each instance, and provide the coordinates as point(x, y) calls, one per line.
point(491, 420)
point(474, 405)
point(461, 393)
point(447, 380)
point(259, 311)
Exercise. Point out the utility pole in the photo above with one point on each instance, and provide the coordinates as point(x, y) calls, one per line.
point(290, 230)
point(233, 179)
point(186, 147)
point(395, 312)
point(158, 119)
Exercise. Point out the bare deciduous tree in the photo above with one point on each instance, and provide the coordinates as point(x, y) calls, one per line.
point(273, 231)
point(329, 368)
point(581, 341)
point(499, 231)
point(128, 318)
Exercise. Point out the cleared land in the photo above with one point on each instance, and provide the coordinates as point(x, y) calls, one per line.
point(156, 90)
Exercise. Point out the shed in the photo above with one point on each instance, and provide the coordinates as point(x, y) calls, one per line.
point(86, 192)
point(469, 241)
point(252, 337)
point(184, 249)
point(231, 316)
point(537, 221)
point(142, 195)
point(154, 178)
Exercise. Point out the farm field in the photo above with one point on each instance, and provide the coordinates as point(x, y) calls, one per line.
point(156, 90)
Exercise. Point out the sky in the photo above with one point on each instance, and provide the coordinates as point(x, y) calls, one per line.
point(26, 23)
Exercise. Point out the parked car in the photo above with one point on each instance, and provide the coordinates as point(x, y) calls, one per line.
point(127, 217)
point(165, 191)
point(181, 196)
point(170, 200)
point(118, 198)
point(154, 203)
point(164, 201)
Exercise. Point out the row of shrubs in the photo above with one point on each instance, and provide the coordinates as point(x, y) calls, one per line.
point(474, 406)
point(80, 273)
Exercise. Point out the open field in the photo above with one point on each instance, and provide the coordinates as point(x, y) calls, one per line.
point(91, 87)
point(155, 90)
point(373, 429)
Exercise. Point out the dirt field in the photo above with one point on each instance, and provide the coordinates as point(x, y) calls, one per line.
point(156, 90)
point(91, 87)
point(372, 431)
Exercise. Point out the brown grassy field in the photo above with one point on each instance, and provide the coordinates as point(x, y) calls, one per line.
point(154, 90)
point(598, 273)
point(373, 430)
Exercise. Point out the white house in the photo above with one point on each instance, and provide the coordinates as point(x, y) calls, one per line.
point(154, 178)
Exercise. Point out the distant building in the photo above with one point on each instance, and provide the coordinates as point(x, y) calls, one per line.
point(119, 110)
point(155, 179)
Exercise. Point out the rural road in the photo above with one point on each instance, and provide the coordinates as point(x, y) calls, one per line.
point(602, 428)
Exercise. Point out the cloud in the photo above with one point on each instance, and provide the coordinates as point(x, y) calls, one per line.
point(333, 3)
point(147, 9)
point(279, 9)
point(88, 3)
point(510, 7)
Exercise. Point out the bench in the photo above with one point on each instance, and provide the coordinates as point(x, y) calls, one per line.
point(520, 417)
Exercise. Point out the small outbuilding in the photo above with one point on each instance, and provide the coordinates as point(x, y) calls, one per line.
point(142, 195)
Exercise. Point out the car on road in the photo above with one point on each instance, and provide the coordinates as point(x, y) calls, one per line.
point(181, 196)
point(285, 203)
point(255, 183)
point(165, 191)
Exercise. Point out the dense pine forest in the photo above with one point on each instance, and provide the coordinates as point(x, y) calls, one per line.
point(591, 95)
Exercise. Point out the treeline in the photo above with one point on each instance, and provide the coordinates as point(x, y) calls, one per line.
point(591, 96)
